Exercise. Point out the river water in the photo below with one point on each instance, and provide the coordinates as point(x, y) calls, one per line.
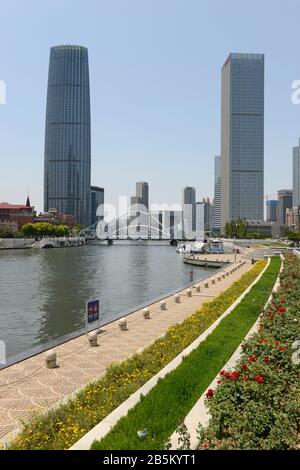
point(43, 292)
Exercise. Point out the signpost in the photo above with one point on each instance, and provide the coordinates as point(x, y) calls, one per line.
point(191, 276)
point(92, 312)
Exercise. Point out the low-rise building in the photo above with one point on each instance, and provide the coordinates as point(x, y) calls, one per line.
point(16, 215)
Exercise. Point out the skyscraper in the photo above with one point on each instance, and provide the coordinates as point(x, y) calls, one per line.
point(142, 193)
point(97, 199)
point(285, 201)
point(189, 210)
point(217, 195)
point(67, 170)
point(242, 138)
point(272, 210)
point(296, 176)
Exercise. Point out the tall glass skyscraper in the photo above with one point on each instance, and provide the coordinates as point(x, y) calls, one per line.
point(242, 138)
point(296, 175)
point(67, 173)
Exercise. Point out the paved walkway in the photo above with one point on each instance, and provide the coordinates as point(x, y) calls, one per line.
point(29, 386)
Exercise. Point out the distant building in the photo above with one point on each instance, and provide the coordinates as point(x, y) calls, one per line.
point(16, 215)
point(272, 210)
point(189, 210)
point(296, 176)
point(55, 217)
point(97, 199)
point(293, 218)
point(242, 138)
point(217, 195)
point(142, 193)
point(285, 201)
point(204, 218)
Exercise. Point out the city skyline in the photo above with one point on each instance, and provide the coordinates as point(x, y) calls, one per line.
point(143, 134)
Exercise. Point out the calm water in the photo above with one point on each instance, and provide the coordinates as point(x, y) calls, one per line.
point(43, 292)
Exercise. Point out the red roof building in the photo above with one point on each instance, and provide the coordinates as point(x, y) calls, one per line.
point(19, 214)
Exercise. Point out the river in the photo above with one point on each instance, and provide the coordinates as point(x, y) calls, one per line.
point(43, 292)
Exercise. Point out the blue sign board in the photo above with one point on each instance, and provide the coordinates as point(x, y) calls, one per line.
point(92, 310)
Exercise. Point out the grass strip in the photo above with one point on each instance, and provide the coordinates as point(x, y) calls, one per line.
point(61, 427)
point(174, 396)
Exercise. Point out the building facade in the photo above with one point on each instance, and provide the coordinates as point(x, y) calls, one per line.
point(67, 170)
point(204, 218)
point(272, 210)
point(97, 199)
point(285, 201)
point(16, 215)
point(242, 138)
point(217, 195)
point(189, 210)
point(296, 176)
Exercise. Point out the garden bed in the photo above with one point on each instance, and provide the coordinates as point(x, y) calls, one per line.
point(175, 395)
point(257, 406)
point(60, 428)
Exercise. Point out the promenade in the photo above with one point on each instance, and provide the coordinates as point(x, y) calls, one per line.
point(29, 386)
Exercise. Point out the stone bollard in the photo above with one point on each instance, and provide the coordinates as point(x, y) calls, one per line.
point(227, 273)
point(163, 305)
point(219, 278)
point(93, 338)
point(146, 313)
point(223, 275)
point(198, 288)
point(189, 292)
point(123, 324)
point(206, 284)
point(51, 359)
point(213, 281)
point(177, 298)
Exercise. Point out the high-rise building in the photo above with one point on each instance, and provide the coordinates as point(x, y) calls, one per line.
point(272, 210)
point(242, 138)
point(217, 195)
point(189, 210)
point(67, 171)
point(142, 193)
point(204, 218)
point(296, 175)
point(285, 201)
point(97, 199)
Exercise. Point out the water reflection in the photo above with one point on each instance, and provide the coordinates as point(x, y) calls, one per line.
point(43, 292)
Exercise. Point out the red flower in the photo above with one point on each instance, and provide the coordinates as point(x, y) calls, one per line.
point(252, 358)
point(205, 445)
point(244, 366)
point(222, 372)
point(266, 360)
point(210, 393)
point(281, 309)
point(259, 379)
point(219, 381)
point(276, 341)
point(281, 348)
point(245, 377)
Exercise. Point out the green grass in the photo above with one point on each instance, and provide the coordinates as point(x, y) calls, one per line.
point(173, 397)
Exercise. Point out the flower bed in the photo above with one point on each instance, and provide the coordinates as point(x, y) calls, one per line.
point(174, 395)
point(257, 406)
point(60, 428)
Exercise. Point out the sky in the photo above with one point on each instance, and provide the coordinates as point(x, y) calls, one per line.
point(155, 77)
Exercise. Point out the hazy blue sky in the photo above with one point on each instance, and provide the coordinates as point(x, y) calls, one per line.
point(155, 88)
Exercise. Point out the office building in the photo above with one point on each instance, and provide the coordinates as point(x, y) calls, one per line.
point(189, 211)
point(97, 200)
point(204, 218)
point(217, 195)
point(67, 169)
point(242, 138)
point(272, 210)
point(285, 201)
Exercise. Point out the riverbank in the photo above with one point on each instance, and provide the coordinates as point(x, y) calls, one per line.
point(29, 386)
